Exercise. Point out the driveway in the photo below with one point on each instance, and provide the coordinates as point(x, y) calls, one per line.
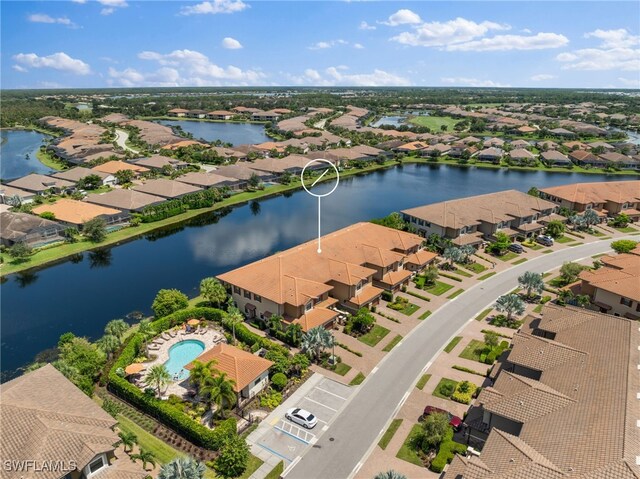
point(121, 140)
point(357, 428)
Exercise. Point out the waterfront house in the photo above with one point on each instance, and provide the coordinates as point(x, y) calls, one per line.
point(520, 156)
point(468, 140)
point(125, 200)
point(211, 180)
point(243, 110)
point(525, 129)
point(495, 142)
point(79, 172)
point(159, 162)
point(178, 112)
point(112, 167)
point(220, 115)
point(42, 185)
point(249, 372)
point(472, 220)
point(243, 170)
point(555, 158)
point(183, 144)
point(490, 155)
point(575, 145)
point(547, 145)
point(265, 116)
point(28, 229)
point(601, 144)
point(619, 160)
point(410, 147)
point(76, 213)
point(15, 196)
point(199, 114)
point(48, 422)
point(586, 158)
point(520, 144)
point(438, 149)
point(165, 188)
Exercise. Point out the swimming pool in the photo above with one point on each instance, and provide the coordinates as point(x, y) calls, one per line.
point(181, 354)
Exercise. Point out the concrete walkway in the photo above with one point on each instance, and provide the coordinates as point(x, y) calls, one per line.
point(121, 140)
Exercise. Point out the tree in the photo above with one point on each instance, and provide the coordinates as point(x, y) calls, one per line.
point(591, 218)
point(109, 343)
point(315, 341)
point(466, 252)
point(145, 329)
point(624, 246)
point(124, 176)
point(294, 334)
point(157, 377)
point(48, 215)
point(621, 220)
point(168, 301)
point(90, 182)
point(531, 281)
point(555, 228)
point(363, 320)
point(434, 428)
point(254, 181)
point(20, 250)
point(147, 457)
point(95, 230)
point(533, 191)
point(430, 275)
point(200, 372)
point(70, 234)
point(233, 319)
point(275, 323)
point(116, 327)
point(491, 339)
point(510, 304)
point(233, 458)
point(184, 467)
point(65, 338)
point(453, 255)
point(569, 272)
point(128, 440)
point(218, 390)
point(583, 300)
point(501, 243)
point(213, 291)
point(390, 474)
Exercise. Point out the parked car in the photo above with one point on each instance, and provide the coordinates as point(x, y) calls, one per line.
point(302, 417)
point(516, 248)
point(454, 421)
point(545, 240)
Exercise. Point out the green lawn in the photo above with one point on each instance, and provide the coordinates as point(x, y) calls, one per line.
point(443, 382)
point(533, 246)
point(409, 309)
point(392, 343)
point(547, 251)
point(475, 267)
point(483, 315)
point(485, 276)
point(374, 336)
point(538, 309)
point(454, 342)
point(455, 293)
point(627, 229)
point(520, 261)
point(357, 379)
point(508, 256)
point(252, 466)
point(407, 452)
point(389, 433)
point(425, 315)
point(162, 451)
point(435, 122)
point(422, 382)
point(463, 273)
point(439, 288)
point(342, 369)
point(473, 350)
point(276, 471)
point(564, 239)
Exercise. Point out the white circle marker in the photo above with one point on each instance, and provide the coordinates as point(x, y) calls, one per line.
point(316, 181)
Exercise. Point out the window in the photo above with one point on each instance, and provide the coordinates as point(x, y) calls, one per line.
point(308, 306)
point(96, 465)
point(359, 286)
point(236, 290)
point(257, 298)
point(589, 206)
point(626, 301)
point(257, 381)
point(247, 294)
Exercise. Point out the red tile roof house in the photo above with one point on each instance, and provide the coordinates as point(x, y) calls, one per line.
point(77, 213)
point(42, 185)
point(196, 114)
point(158, 162)
point(435, 150)
point(520, 156)
point(585, 158)
point(621, 161)
point(125, 200)
point(243, 171)
point(265, 116)
point(178, 112)
point(47, 419)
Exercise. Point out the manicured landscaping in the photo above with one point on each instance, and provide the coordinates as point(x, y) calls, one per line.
point(147, 441)
point(407, 452)
point(438, 288)
point(253, 465)
point(392, 343)
point(455, 293)
point(473, 350)
point(357, 380)
point(419, 296)
point(425, 315)
point(467, 370)
point(434, 123)
point(475, 267)
point(276, 472)
point(445, 388)
point(402, 305)
point(508, 256)
point(564, 239)
point(389, 433)
point(422, 382)
point(454, 342)
point(547, 251)
point(483, 315)
point(463, 273)
point(374, 336)
point(520, 261)
point(342, 369)
point(538, 308)
point(486, 276)
point(627, 229)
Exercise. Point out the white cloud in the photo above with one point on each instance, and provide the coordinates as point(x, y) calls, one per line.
point(539, 41)
point(327, 44)
point(365, 26)
point(443, 34)
point(402, 17)
point(79, 1)
point(473, 82)
point(337, 76)
point(184, 68)
point(542, 77)
point(20, 69)
point(312, 74)
point(619, 38)
point(214, 7)
point(111, 5)
point(231, 43)
point(630, 82)
point(358, 46)
point(615, 52)
point(44, 18)
point(58, 61)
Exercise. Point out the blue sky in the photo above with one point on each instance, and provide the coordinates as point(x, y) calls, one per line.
point(116, 43)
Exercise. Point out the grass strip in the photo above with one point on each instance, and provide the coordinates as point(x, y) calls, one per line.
point(425, 315)
point(454, 342)
point(488, 275)
point(422, 382)
point(389, 433)
point(357, 380)
point(392, 343)
point(483, 315)
point(455, 293)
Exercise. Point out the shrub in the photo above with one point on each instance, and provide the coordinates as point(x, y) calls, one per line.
point(623, 246)
point(270, 399)
point(169, 301)
point(279, 381)
point(545, 299)
point(233, 458)
point(446, 389)
point(446, 452)
point(490, 358)
point(387, 295)
point(464, 392)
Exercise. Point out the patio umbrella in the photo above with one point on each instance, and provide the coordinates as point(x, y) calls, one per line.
point(134, 368)
point(193, 322)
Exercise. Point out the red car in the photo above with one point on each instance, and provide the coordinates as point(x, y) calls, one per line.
point(454, 421)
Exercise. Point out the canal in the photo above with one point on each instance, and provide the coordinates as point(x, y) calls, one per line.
point(81, 295)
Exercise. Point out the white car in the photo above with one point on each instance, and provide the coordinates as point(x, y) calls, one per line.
point(302, 417)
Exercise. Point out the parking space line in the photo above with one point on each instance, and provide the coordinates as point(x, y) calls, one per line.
point(329, 392)
point(274, 452)
point(323, 405)
point(295, 435)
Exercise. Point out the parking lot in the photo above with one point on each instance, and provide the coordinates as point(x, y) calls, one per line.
point(288, 440)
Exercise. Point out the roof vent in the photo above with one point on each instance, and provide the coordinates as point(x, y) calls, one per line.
point(512, 460)
point(521, 403)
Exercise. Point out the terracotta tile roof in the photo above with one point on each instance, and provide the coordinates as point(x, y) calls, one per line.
point(75, 212)
point(128, 200)
point(159, 161)
point(166, 188)
point(542, 354)
point(585, 193)
point(367, 294)
point(421, 257)
point(620, 275)
point(115, 166)
point(521, 153)
point(77, 173)
point(241, 367)
point(206, 180)
point(318, 316)
point(9, 191)
point(183, 144)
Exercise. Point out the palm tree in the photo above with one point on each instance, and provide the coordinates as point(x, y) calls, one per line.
point(109, 343)
point(184, 467)
point(200, 372)
point(145, 329)
point(591, 218)
point(275, 321)
point(213, 291)
point(391, 474)
point(116, 327)
point(294, 331)
point(147, 457)
point(453, 255)
point(128, 440)
point(465, 252)
point(510, 304)
point(583, 300)
point(157, 377)
point(315, 341)
point(218, 390)
point(531, 282)
point(234, 317)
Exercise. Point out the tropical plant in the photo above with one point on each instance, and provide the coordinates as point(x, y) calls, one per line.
point(569, 272)
point(453, 255)
point(168, 301)
point(491, 339)
point(234, 318)
point(127, 440)
point(466, 252)
point(531, 281)
point(624, 246)
point(213, 291)
point(20, 250)
point(95, 230)
point(434, 428)
point(501, 243)
point(233, 458)
point(294, 334)
point(184, 467)
point(510, 304)
point(275, 323)
point(315, 341)
point(116, 327)
point(621, 220)
point(145, 329)
point(157, 377)
point(254, 181)
point(218, 390)
point(109, 343)
point(430, 275)
point(147, 457)
point(583, 300)
point(200, 372)
point(391, 474)
point(555, 228)
point(89, 182)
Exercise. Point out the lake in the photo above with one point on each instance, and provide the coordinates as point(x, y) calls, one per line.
point(16, 145)
point(83, 294)
point(389, 120)
point(234, 133)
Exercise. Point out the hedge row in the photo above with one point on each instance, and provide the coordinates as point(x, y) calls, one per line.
point(448, 448)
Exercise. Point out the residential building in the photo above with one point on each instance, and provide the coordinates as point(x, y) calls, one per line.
point(178, 112)
point(475, 219)
point(563, 404)
point(607, 198)
point(76, 213)
point(621, 161)
point(520, 144)
point(183, 144)
point(112, 167)
point(411, 147)
point(265, 116)
point(521, 156)
point(562, 132)
point(601, 144)
point(585, 158)
point(164, 188)
point(197, 114)
point(125, 200)
point(436, 150)
point(554, 158)
point(220, 115)
point(548, 145)
point(28, 229)
point(493, 142)
point(614, 288)
point(249, 372)
point(211, 180)
point(356, 264)
point(15, 196)
point(41, 184)
point(80, 172)
point(526, 129)
point(159, 162)
point(47, 421)
point(490, 155)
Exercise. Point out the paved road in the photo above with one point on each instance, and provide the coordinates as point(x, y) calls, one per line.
point(121, 140)
point(342, 449)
